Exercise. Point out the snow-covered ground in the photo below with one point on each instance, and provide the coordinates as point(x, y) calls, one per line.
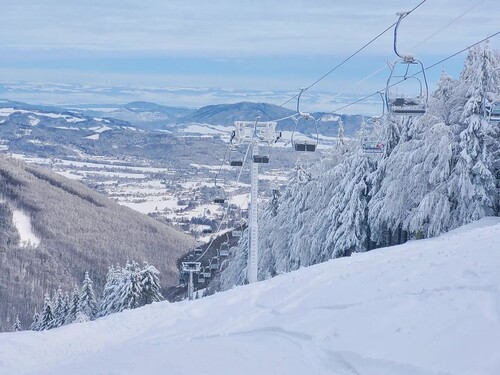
point(22, 223)
point(426, 307)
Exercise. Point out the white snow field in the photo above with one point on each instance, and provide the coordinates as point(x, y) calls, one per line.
point(426, 307)
point(22, 222)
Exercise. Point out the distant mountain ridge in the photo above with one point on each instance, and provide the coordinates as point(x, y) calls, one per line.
point(226, 114)
point(151, 116)
point(145, 115)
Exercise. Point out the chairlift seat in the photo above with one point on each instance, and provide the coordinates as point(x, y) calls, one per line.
point(236, 163)
point(304, 146)
point(261, 159)
point(224, 250)
point(494, 113)
point(408, 110)
point(407, 106)
point(372, 147)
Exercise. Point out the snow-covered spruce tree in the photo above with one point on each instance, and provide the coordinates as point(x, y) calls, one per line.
point(130, 292)
point(444, 100)
point(17, 325)
point(340, 134)
point(73, 306)
point(66, 308)
point(275, 195)
point(150, 285)
point(236, 271)
point(410, 193)
point(110, 302)
point(430, 213)
point(295, 236)
point(35, 324)
point(130, 287)
point(59, 309)
point(392, 133)
point(301, 173)
point(87, 306)
point(47, 317)
point(348, 229)
point(472, 182)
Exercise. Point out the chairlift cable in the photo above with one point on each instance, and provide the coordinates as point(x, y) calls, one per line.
point(221, 166)
point(383, 67)
point(226, 208)
point(427, 68)
point(450, 23)
point(352, 55)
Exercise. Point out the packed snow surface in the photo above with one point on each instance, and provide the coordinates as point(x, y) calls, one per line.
point(426, 307)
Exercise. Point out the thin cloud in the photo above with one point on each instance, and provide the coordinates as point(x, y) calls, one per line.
point(226, 28)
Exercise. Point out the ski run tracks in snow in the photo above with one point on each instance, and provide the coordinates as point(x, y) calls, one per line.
point(426, 307)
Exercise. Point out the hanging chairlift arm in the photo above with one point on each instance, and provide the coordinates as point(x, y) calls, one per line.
point(305, 116)
point(407, 58)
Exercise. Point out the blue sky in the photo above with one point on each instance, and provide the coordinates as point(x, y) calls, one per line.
point(194, 53)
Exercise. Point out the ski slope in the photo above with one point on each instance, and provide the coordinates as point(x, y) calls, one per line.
point(426, 307)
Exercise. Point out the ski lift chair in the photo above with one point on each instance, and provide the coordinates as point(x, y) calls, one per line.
point(220, 195)
point(406, 105)
point(207, 272)
point(491, 110)
point(261, 159)
point(494, 112)
point(303, 145)
point(224, 250)
point(201, 277)
point(214, 264)
point(236, 163)
point(372, 147)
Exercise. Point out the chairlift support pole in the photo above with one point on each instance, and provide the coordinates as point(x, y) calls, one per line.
point(191, 286)
point(253, 253)
point(191, 267)
point(255, 133)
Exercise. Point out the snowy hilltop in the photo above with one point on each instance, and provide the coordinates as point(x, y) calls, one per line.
point(425, 307)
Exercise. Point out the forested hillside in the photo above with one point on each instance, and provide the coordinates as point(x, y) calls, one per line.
point(438, 172)
point(53, 229)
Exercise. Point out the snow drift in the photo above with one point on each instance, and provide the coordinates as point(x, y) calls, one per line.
point(425, 307)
